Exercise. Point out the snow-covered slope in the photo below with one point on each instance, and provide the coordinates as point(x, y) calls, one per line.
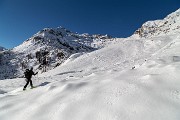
point(101, 85)
point(169, 25)
point(122, 54)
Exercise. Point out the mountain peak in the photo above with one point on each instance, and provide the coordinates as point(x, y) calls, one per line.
point(50, 32)
point(168, 25)
point(174, 14)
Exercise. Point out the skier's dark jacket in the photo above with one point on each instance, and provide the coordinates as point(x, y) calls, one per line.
point(28, 74)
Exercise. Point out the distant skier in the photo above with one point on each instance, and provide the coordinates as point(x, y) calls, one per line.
point(28, 75)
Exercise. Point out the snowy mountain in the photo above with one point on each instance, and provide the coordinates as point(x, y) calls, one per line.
point(56, 45)
point(169, 25)
point(49, 46)
point(130, 79)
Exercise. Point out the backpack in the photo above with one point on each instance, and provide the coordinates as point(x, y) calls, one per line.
point(26, 73)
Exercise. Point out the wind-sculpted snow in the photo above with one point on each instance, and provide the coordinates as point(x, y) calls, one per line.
point(101, 85)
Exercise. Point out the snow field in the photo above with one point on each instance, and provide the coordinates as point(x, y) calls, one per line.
point(102, 86)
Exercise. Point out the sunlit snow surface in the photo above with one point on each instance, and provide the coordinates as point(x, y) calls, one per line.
point(102, 85)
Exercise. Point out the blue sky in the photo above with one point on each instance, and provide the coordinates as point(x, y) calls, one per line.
point(20, 19)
